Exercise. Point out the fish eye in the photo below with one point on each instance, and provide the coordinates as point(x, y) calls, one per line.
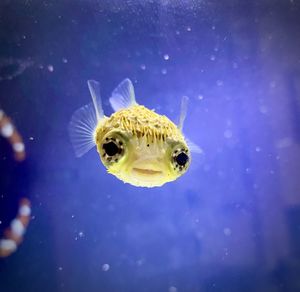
point(181, 158)
point(112, 148)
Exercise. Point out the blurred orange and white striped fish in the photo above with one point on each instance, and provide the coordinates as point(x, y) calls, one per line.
point(136, 144)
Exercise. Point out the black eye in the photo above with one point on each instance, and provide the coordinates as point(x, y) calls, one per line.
point(111, 148)
point(182, 159)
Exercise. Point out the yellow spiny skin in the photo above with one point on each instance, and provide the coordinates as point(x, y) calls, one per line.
point(147, 145)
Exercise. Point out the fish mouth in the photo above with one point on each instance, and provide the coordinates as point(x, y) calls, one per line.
point(146, 171)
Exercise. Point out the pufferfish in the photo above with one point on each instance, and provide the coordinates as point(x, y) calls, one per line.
point(136, 144)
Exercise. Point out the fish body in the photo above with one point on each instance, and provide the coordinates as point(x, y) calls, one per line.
point(136, 144)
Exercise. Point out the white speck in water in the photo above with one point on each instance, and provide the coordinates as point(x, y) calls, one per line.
point(0, 222)
point(263, 109)
point(177, 32)
point(105, 267)
point(189, 28)
point(257, 149)
point(64, 60)
point(72, 216)
point(213, 27)
point(212, 57)
point(228, 134)
point(143, 67)
point(234, 65)
point(18, 147)
point(200, 96)
point(227, 231)
point(166, 57)
point(173, 289)
point(220, 83)
point(81, 234)
point(7, 130)
point(50, 68)
point(31, 138)
point(164, 71)
point(60, 268)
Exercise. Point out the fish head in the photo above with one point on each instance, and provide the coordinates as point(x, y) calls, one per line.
point(141, 160)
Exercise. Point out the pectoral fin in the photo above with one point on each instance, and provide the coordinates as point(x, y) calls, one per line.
point(85, 120)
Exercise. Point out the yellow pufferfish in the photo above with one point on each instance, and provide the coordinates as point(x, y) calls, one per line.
point(137, 145)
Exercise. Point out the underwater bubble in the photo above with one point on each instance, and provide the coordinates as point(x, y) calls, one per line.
point(263, 109)
point(50, 68)
point(166, 57)
point(227, 231)
point(220, 83)
point(105, 267)
point(228, 134)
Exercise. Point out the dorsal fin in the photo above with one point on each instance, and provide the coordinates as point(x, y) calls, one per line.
point(85, 120)
point(183, 111)
point(123, 96)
